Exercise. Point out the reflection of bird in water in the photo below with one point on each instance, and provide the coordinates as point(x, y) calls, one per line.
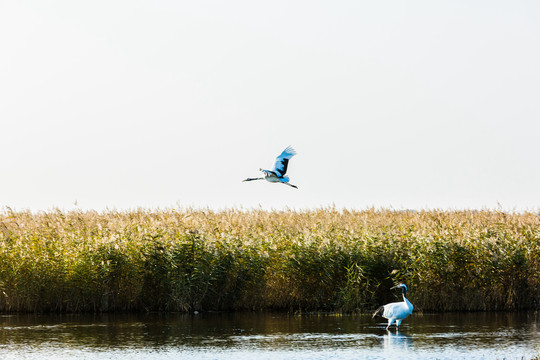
point(280, 168)
point(396, 311)
point(396, 342)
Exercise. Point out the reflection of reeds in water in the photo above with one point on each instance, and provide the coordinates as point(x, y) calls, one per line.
point(322, 259)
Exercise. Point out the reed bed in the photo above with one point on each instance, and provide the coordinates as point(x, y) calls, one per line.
point(317, 260)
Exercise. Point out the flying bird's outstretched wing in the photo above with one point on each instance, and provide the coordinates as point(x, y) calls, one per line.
point(280, 167)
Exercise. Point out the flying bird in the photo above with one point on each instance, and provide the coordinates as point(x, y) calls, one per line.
point(396, 311)
point(277, 175)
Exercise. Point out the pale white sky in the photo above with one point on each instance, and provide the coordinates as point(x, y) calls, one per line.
point(401, 104)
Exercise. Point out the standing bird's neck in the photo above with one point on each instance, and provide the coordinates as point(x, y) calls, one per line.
point(405, 300)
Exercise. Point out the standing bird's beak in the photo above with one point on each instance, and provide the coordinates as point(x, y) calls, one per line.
point(396, 287)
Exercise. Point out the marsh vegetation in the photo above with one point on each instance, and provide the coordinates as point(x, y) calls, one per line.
point(318, 260)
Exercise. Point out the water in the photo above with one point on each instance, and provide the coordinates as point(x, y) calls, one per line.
point(268, 336)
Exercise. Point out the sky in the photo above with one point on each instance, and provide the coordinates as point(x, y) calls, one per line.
point(119, 105)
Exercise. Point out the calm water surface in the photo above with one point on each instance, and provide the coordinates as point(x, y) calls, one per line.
point(269, 336)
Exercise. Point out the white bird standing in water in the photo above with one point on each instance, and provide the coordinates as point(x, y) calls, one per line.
point(280, 168)
point(396, 311)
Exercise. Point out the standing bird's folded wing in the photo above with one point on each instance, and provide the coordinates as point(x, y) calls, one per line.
point(280, 167)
